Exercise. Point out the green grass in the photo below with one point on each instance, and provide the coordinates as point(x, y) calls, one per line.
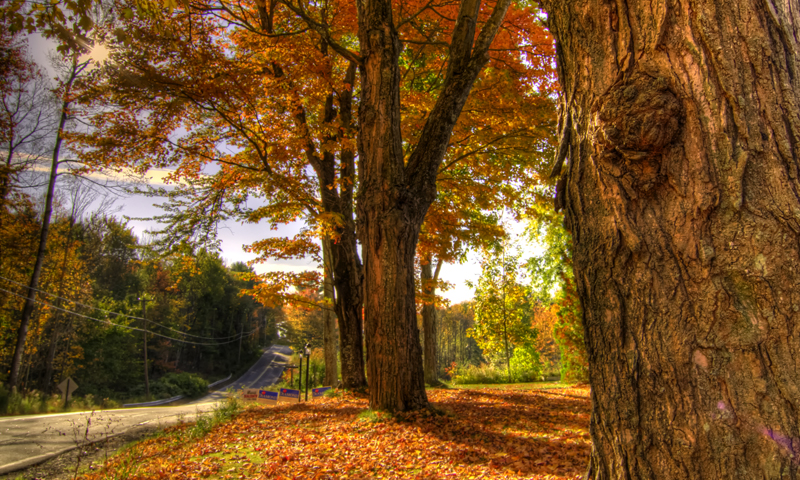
point(34, 402)
point(221, 414)
point(372, 416)
point(516, 386)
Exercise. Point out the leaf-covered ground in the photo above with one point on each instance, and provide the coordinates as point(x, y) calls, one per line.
point(486, 433)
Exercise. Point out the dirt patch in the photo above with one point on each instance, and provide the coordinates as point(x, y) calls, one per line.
point(87, 458)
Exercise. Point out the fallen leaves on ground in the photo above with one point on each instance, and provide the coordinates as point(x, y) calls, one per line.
point(487, 433)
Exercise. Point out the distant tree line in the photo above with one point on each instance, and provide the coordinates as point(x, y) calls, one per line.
point(96, 282)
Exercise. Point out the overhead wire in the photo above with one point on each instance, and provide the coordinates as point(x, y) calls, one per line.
point(108, 322)
point(110, 312)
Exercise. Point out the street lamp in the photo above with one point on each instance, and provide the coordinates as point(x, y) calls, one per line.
point(308, 364)
point(300, 377)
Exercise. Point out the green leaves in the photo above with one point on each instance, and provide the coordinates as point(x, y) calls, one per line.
point(503, 314)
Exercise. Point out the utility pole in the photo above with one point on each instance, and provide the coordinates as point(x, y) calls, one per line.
point(146, 374)
point(241, 331)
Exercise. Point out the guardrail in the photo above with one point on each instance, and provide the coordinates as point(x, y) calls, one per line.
point(210, 386)
point(156, 403)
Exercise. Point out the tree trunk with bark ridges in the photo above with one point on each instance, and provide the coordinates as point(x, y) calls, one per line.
point(682, 126)
point(330, 340)
point(395, 194)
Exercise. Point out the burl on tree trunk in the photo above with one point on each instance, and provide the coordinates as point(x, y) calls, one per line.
point(681, 126)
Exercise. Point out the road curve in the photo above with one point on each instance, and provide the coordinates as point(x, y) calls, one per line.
point(31, 439)
point(266, 371)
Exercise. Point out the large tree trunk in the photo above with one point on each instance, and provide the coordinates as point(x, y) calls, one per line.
point(389, 222)
point(394, 195)
point(682, 125)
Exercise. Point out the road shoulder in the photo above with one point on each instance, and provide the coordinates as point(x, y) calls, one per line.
point(62, 465)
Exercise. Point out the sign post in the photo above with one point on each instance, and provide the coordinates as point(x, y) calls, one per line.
point(289, 395)
point(250, 394)
point(67, 387)
point(318, 392)
point(291, 373)
point(265, 396)
point(300, 377)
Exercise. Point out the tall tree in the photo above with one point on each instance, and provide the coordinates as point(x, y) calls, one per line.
point(65, 93)
point(429, 275)
point(297, 148)
point(679, 120)
point(502, 307)
point(395, 194)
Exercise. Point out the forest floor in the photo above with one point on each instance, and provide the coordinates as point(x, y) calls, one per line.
point(472, 433)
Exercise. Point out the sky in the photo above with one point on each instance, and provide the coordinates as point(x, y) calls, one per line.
point(234, 236)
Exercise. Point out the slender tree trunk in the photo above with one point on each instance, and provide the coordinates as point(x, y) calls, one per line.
point(503, 279)
point(144, 335)
point(681, 119)
point(429, 277)
point(346, 265)
point(51, 356)
point(329, 338)
point(22, 333)
point(51, 349)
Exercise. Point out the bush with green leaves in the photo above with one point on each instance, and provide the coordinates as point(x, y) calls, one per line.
point(473, 374)
point(173, 384)
point(525, 364)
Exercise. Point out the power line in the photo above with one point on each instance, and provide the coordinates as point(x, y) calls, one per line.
point(110, 312)
point(108, 322)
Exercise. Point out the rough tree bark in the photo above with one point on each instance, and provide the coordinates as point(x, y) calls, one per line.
point(430, 276)
point(394, 195)
point(330, 340)
point(681, 123)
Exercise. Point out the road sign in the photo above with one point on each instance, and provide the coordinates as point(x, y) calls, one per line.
point(289, 395)
point(267, 397)
point(250, 394)
point(319, 392)
point(67, 387)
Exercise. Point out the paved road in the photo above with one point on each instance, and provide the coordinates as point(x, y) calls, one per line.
point(28, 440)
point(265, 372)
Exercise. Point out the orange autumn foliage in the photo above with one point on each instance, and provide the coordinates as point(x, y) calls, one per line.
point(487, 433)
point(238, 110)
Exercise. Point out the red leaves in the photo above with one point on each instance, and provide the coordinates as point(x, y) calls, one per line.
point(487, 433)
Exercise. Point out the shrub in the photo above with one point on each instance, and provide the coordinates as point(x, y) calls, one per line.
point(525, 365)
point(221, 413)
point(174, 384)
point(13, 403)
point(485, 373)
